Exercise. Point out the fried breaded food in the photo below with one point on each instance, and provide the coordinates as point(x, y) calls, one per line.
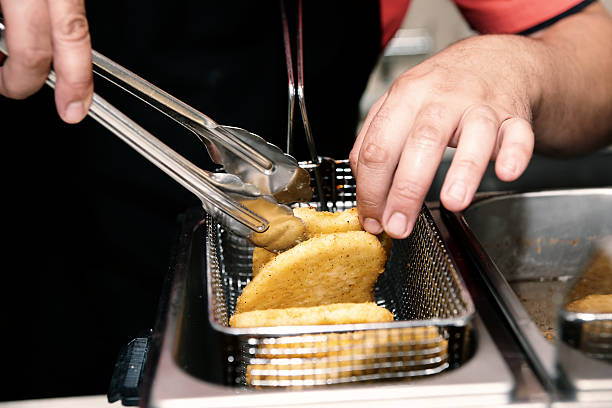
point(337, 313)
point(316, 222)
point(325, 222)
point(592, 304)
point(386, 241)
point(321, 222)
point(329, 268)
point(261, 256)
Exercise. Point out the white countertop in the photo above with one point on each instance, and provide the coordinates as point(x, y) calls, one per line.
point(90, 401)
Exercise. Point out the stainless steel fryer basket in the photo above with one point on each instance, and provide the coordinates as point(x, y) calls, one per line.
point(421, 286)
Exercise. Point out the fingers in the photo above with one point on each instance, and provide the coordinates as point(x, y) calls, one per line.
point(419, 162)
point(30, 49)
point(390, 195)
point(379, 153)
point(71, 59)
point(39, 32)
point(517, 143)
point(477, 135)
point(354, 155)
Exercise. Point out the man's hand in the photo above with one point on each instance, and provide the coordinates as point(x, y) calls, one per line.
point(39, 32)
point(475, 96)
point(484, 96)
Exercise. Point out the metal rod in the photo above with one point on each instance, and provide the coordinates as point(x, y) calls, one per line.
point(176, 166)
point(301, 98)
point(200, 124)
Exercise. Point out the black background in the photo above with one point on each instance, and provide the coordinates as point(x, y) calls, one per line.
point(89, 224)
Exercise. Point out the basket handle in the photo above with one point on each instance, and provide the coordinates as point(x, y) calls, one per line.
point(127, 376)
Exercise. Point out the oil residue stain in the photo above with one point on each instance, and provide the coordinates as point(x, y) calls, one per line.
point(541, 243)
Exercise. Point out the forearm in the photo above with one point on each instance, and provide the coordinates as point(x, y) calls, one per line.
point(572, 113)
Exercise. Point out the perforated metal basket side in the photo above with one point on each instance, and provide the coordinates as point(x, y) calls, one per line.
point(338, 358)
point(590, 333)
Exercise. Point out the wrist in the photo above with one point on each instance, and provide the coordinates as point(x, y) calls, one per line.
point(519, 68)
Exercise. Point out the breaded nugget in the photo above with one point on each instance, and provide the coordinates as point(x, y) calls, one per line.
point(330, 268)
point(325, 222)
point(337, 313)
point(261, 256)
point(592, 304)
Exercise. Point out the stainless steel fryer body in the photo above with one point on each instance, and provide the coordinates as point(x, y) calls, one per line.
point(531, 247)
point(186, 367)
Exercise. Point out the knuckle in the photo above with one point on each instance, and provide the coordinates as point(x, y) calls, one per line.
point(353, 158)
point(428, 136)
point(406, 86)
point(483, 114)
point(73, 28)
point(366, 206)
point(484, 121)
point(19, 89)
point(379, 120)
point(402, 83)
point(434, 112)
point(408, 191)
point(33, 58)
point(75, 83)
point(469, 164)
point(13, 92)
point(367, 201)
point(518, 149)
point(373, 155)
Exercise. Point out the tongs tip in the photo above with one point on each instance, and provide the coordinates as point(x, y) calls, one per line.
point(297, 190)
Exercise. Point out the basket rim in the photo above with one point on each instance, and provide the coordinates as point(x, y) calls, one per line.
point(460, 320)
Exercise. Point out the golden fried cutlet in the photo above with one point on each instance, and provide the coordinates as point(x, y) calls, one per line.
point(592, 304)
point(329, 268)
point(337, 313)
point(325, 222)
point(261, 256)
point(320, 222)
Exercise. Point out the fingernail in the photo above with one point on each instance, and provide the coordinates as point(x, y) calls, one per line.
point(75, 111)
point(397, 225)
point(457, 191)
point(372, 226)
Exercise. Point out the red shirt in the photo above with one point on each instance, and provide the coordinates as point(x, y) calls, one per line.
point(486, 16)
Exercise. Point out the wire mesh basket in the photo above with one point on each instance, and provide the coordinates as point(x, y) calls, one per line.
point(588, 332)
point(420, 285)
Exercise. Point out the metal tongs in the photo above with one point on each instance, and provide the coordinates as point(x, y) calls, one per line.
point(259, 175)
